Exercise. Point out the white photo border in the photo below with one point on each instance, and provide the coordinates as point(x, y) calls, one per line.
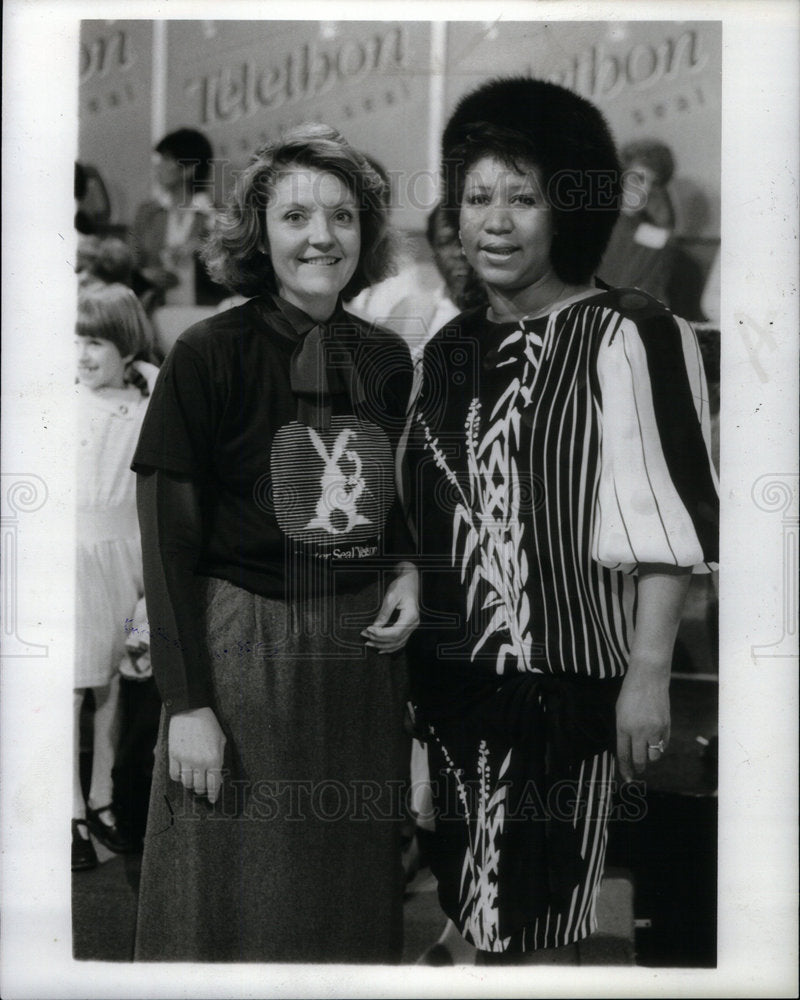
point(758, 692)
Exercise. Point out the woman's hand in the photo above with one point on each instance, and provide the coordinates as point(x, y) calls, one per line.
point(402, 596)
point(643, 703)
point(196, 746)
point(643, 719)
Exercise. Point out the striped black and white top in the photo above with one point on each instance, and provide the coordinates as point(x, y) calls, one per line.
point(549, 459)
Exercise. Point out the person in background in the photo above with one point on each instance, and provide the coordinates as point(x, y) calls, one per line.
point(92, 203)
point(107, 261)
point(113, 386)
point(404, 301)
point(563, 430)
point(278, 597)
point(644, 250)
point(710, 301)
point(449, 298)
point(438, 309)
point(641, 251)
point(169, 230)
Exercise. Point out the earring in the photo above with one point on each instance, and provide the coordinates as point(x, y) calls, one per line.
point(461, 244)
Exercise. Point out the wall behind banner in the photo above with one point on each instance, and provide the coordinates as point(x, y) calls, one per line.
point(115, 72)
point(388, 86)
point(242, 83)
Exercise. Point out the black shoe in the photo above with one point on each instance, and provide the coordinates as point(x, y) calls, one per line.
point(112, 837)
point(83, 852)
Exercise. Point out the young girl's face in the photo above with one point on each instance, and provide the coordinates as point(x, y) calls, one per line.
point(100, 365)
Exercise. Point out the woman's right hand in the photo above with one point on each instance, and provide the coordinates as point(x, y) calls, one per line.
point(196, 747)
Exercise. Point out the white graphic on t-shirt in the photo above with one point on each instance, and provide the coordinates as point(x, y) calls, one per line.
point(340, 491)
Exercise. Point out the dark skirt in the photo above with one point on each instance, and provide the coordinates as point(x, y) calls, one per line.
point(521, 785)
point(299, 860)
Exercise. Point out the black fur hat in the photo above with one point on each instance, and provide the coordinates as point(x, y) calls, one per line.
point(566, 137)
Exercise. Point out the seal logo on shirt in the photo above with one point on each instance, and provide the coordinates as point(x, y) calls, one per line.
point(341, 488)
point(334, 486)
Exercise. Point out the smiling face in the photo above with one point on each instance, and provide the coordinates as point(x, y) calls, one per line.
point(314, 237)
point(100, 365)
point(506, 226)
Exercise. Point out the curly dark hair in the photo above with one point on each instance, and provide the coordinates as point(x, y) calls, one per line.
point(234, 253)
point(525, 122)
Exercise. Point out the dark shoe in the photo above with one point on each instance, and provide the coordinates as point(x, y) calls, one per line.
point(437, 954)
point(112, 837)
point(83, 852)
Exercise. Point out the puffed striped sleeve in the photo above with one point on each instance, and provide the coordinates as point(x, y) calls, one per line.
point(657, 499)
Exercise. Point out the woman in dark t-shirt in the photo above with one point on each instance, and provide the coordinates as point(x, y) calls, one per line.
point(278, 603)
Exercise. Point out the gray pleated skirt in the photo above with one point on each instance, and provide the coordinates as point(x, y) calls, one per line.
point(299, 859)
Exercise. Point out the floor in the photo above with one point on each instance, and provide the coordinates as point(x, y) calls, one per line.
point(104, 915)
point(657, 904)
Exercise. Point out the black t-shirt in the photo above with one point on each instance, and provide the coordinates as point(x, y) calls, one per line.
point(274, 490)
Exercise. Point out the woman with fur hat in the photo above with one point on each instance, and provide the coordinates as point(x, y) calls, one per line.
point(560, 443)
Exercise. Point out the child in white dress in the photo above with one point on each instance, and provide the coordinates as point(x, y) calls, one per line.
point(112, 334)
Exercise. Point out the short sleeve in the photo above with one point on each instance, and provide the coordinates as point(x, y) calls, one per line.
point(178, 429)
point(657, 498)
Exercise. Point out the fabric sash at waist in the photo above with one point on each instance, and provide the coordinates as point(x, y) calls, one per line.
point(101, 524)
point(552, 723)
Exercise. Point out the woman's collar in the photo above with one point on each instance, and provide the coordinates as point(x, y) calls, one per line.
point(554, 307)
point(291, 319)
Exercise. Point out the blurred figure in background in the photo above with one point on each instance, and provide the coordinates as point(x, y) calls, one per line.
point(403, 301)
point(644, 251)
point(640, 253)
point(419, 300)
point(169, 230)
point(448, 300)
point(92, 203)
point(711, 292)
point(106, 261)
